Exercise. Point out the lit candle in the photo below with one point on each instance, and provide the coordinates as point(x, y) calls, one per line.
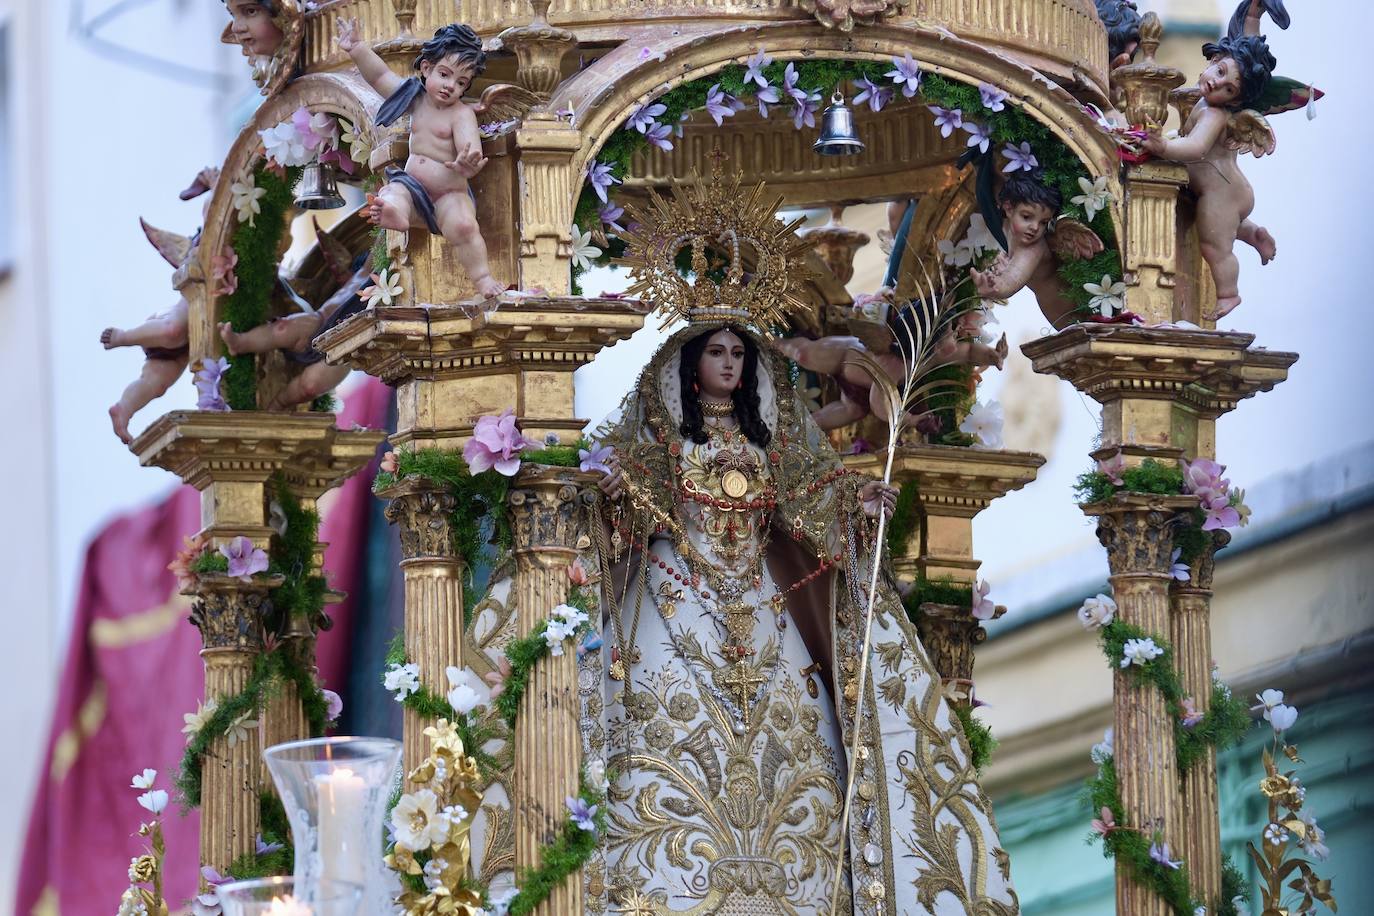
point(344, 842)
point(288, 906)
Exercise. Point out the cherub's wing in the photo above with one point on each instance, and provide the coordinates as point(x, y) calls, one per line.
point(1249, 132)
point(1284, 94)
point(335, 253)
point(504, 102)
point(175, 249)
point(1072, 239)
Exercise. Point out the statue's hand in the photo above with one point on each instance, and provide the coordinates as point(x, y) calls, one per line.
point(468, 162)
point(348, 35)
point(610, 483)
point(876, 497)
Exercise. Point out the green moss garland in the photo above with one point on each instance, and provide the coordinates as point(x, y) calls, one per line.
point(524, 653)
point(981, 743)
point(210, 562)
point(274, 829)
point(1150, 476)
point(904, 521)
point(301, 594)
point(249, 305)
point(944, 590)
point(566, 854)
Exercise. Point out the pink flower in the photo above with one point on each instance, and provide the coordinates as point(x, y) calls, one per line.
point(1106, 823)
point(1112, 468)
point(333, 705)
point(577, 574)
point(1191, 716)
point(244, 559)
point(181, 566)
point(389, 463)
point(983, 608)
point(1220, 513)
point(496, 680)
point(495, 443)
point(1202, 476)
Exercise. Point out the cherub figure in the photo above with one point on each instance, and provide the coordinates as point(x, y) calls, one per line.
point(164, 336)
point(271, 33)
point(252, 26)
point(1121, 19)
point(838, 357)
point(445, 143)
point(294, 334)
point(1237, 88)
point(1036, 241)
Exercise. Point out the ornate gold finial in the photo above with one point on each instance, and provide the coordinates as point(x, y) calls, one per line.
point(745, 263)
point(405, 15)
point(1147, 82)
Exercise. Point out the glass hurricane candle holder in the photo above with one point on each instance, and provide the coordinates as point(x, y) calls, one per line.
point(335, 791)
point(278, 897)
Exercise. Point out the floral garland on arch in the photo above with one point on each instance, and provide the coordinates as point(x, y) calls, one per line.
point(983, 112)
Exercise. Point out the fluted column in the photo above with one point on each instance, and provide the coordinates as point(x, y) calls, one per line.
point(546, 516)
point(1138, 532)
point(433, 574)
point(283, 717)
point(229, 614)
point(1191, 634)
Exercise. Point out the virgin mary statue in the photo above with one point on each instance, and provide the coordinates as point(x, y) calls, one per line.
point(737, 553)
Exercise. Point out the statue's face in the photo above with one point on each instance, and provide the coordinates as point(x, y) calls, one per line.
point(1220, 82)
point(721, 365)
point(253, 28)
point(1027, 222)
point(446, 80)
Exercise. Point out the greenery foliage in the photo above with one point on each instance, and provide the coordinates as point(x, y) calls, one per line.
point(523, 654)
point(569, 851)
point(944, 590)
point(904, 521)
point(274, 830)
point(981, 743)
point(257, 246)
point(293, 556)
point(210, 562)
point(428, 705)
point(1150, 476)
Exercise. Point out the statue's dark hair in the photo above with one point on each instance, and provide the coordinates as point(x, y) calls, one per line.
point(454, 40)
point(1030, 187)
point(1122, 21)
point(745, 397)
point(1253, 60)
point(269, 5)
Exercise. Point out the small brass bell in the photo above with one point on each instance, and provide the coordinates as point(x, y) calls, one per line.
point(317, 189)
point(838, 137)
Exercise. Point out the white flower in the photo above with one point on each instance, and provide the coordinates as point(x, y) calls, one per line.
point(244, 195)
point(1097, 612)
point(284, 144)
point(326, 128)
point(1298, 789)
point(402, 680)
point(955, 255)
point(468, 690)
point(1275, 834)
point(1313, 838)
point(1095, 196)
point(554, 634)
point(583, 251)
point(1104, 749)
point(241, 728)
point(359, 148)
point(144, 780)
point(1282, 717)
point(596, 774)
point(570, 615)
point(1107, 297)
point(385, 289)
point(417, 821)
point(1239, 903)
point(984, 422)
point(131, 904)
point(979, 236)
point(154, 800)
point(1200, 911)
point(1139, 651)
point(1269, 699)
point(195, 721)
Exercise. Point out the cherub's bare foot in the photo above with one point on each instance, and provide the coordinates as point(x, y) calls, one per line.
point(230, 337)
point(1224, 306)
point(382, 212)
point(119, 419)
point(111, 338)
point(1001, 351)
point(1264, 243)
point(489, 288)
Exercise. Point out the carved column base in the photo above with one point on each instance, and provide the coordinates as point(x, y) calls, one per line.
point(949, 633)
point(229, 614)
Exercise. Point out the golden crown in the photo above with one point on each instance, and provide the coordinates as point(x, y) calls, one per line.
point(745, 262)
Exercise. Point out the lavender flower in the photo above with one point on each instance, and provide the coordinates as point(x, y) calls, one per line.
point(980, 135)
point(207, 379)
point(1019, 158)
point(721, 105)
point(583, 814)
point(595, 460)
point(1179, 571)
point(610, 215)
point(805, 112)
point(600, 178)
point(993, 98)
point(1159, 851)
point(906, 73)
point(261, 847)
point(658, 135)
point(789, 84)
point(333, 705)
point(876, 96)
point(753, 71)
point(244, 558)
point(766, 96)
point(947, 119)
point(646, 116)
